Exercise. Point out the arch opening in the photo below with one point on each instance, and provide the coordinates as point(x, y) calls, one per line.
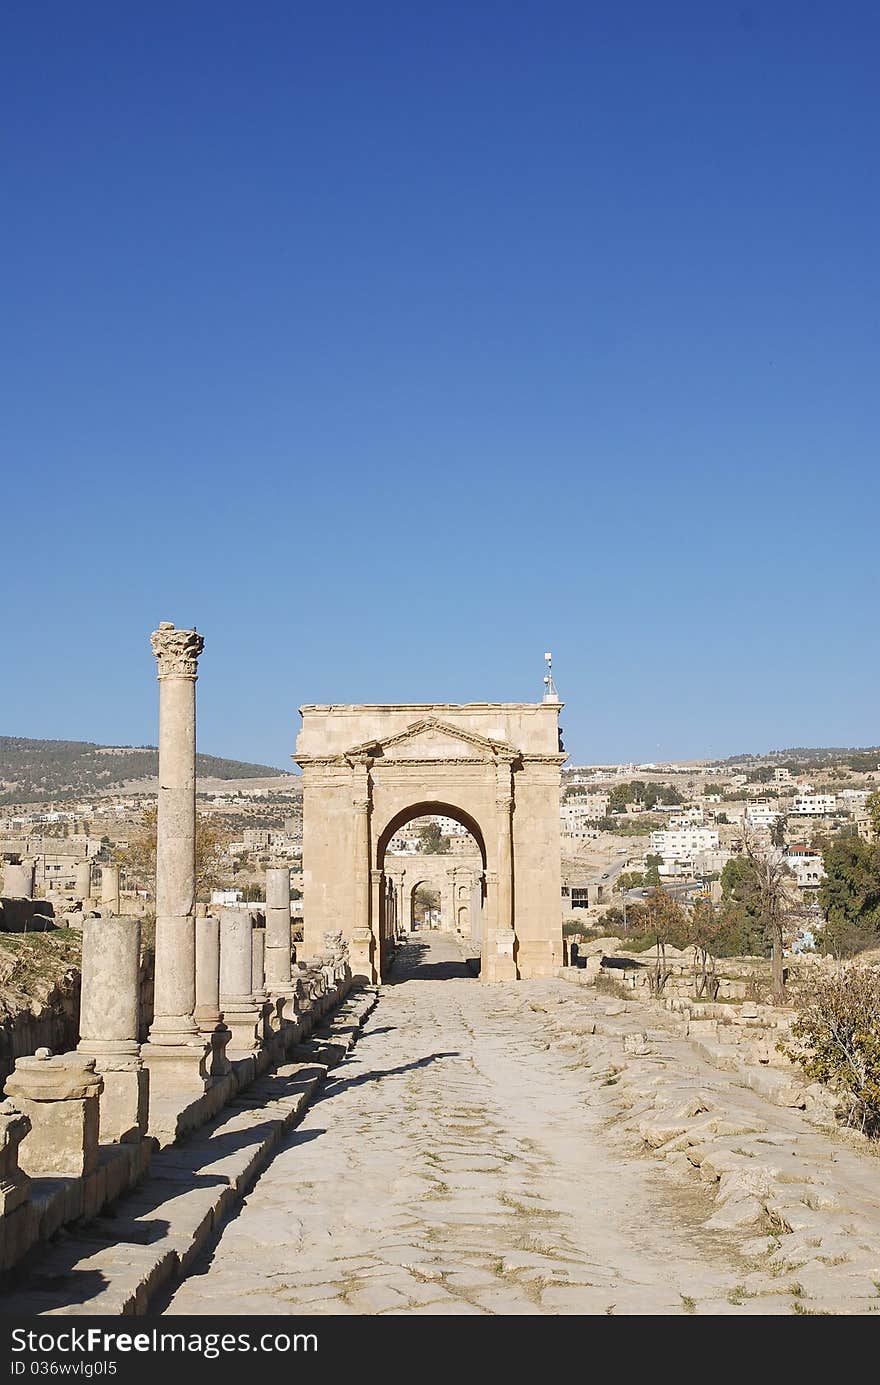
point(431, 858)
point(426, 809)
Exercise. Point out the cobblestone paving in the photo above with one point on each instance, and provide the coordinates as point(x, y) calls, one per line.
point(459, 1163)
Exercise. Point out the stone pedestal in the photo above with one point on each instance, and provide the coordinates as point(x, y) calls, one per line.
point(241, 1015)
point(15, 1185)
point(18, 881)
point(60, 1096)
point(109, 1016)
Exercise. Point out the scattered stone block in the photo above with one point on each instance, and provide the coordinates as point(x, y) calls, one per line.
point(777, 1087)
point(60, 1096)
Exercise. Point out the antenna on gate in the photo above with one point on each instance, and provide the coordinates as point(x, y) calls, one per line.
point(550, 693)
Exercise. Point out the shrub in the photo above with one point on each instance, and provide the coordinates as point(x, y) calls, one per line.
point(574, 928)
point(838, 1040)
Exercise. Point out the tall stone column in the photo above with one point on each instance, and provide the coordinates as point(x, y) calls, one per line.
point(403, 919)
point(447, 904)
point(377, 878)
point(278, 980)
point(110, 888)
point(476, 911)
point(177, 652)
point(175, 1046)
point(363, 961)
point(108, 1026)
point(83, 887)
point(490, 918)
point(207, 1013)
point(18, 881)
point(502, 963)
point(241, 1014)
point(258, 965)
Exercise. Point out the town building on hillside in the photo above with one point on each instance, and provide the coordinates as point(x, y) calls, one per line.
point(680, 843)
point(815, 804)
point(760, 815)
point(805, 864)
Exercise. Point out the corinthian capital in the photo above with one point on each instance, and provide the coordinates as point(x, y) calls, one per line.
point(177, 651)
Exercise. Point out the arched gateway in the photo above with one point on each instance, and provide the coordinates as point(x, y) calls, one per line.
point(495, 767)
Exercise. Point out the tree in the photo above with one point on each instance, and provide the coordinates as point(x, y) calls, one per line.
point(872, 803)
point(652, 873)
point(425, 901)
point(628, 880)
point(138, 858)
point(762, 775)
point(432, 841)
point(849, 896)
point(777, 832)
point(837, 1039)
point(772, 883)
point(661, 920)
point(705, 929)
point(741, 909)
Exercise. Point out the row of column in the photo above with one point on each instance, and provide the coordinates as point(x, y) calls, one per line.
point(214, 978)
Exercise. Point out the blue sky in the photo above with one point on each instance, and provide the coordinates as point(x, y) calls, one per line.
point(394, 344)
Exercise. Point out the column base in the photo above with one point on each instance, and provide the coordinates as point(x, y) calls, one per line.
point(361, 956)
point(499, 963)
point(173, 1031)
point(214, 1031)
point(245, 1024)
point(184, 1067)
point(541, 958)
point(125, 1103)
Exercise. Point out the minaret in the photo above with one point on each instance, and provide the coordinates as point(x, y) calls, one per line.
point(550, 693)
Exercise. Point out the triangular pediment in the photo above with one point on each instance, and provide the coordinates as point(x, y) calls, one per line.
point(433, 739)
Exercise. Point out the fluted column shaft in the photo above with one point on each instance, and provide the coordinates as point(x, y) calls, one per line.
point(177, 652)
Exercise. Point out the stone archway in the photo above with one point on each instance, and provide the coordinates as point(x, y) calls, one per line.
point(493, 766)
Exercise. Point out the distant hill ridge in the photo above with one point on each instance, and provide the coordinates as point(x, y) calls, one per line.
point(861, 759)
point(32, 770)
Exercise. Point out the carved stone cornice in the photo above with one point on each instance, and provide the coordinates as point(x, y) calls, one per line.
point(359, 761)
point(431, 727)
point(177, 651)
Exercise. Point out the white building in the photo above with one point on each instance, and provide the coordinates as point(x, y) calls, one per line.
point(806, 866)
point(681, 843)
point(760, 815)
point(576, 814)
point(815, 804)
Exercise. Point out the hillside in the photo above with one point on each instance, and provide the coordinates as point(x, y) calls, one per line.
point(33, 771)
point(861, 760)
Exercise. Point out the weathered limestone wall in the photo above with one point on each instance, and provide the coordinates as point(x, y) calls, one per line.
point(537, 870)
point(531, 726)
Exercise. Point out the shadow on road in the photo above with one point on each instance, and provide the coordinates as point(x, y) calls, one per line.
point(413, 963)
point(336, 1085)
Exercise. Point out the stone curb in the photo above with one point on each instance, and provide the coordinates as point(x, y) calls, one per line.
point(118, 1264)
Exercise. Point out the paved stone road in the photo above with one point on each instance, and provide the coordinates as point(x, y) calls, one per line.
point(458, 1163)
